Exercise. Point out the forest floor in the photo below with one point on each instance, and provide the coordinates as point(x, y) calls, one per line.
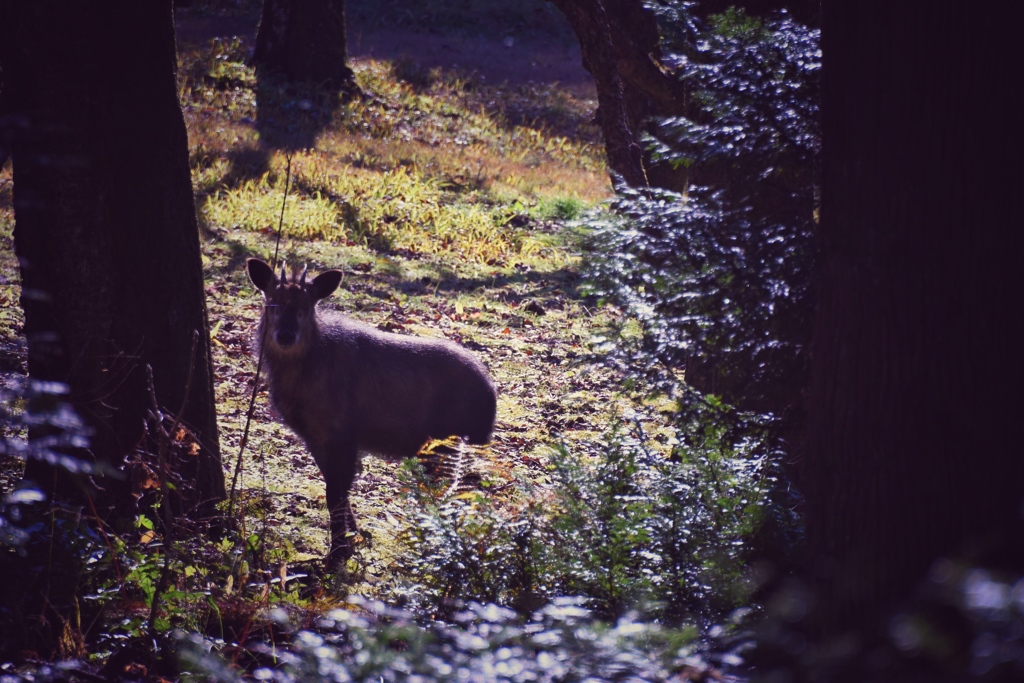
point(447, 196)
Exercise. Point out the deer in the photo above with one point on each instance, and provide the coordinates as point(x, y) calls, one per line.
point(347, 389)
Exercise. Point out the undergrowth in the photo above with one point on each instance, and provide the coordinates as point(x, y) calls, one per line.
point(624, 528)
point(603, 538)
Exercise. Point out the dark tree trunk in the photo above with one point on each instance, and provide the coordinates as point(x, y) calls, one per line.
point(619, 42)
point(914, 448)
point(105, 227)
point(305, 41)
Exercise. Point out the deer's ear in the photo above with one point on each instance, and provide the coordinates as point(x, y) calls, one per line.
point(325, 283)
point(261, 275)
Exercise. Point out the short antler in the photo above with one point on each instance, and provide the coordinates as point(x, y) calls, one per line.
point(302, 280)
point(284, 274)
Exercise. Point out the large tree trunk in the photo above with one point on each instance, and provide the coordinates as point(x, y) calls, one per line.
point(914, 448)
point(619, 43)
point(105, 227)
point(305, 40)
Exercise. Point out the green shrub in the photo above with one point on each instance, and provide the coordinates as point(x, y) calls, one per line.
point(465, 546)
point(561, 208)
point(626, 529)
point(721, 279)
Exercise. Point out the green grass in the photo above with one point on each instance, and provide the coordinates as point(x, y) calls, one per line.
point(448, 219)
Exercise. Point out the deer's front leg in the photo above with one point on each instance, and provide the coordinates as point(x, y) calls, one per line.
point(339, 470)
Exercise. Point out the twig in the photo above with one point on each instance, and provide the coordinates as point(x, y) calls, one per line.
point(259, 362)
point(164, 439)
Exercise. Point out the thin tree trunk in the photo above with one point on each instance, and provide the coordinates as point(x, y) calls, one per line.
point(620, 47)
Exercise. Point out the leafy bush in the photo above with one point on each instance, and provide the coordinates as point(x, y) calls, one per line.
point(72, 579)
point(665, 536)
point(37, 541)
point(466, 546)
point(42, 408)
point(720, 279)
point(720, 282)
point(627, 530)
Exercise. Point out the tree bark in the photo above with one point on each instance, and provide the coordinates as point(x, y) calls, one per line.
point(619, 42)
point(105, 227)
point(913, 451)
point(305, 40)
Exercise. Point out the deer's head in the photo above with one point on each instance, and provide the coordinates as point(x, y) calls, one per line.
point(290, 307)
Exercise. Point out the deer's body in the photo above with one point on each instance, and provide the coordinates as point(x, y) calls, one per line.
point(348, 389)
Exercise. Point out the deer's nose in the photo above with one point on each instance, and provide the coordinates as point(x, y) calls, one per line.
point(285, 337)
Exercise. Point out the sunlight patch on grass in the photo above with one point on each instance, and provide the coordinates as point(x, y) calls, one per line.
point(436, 167)
point(256, 205)
point(394, 210)
point(444, 202)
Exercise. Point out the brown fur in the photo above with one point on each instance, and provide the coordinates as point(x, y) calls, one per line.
point(348, 389)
